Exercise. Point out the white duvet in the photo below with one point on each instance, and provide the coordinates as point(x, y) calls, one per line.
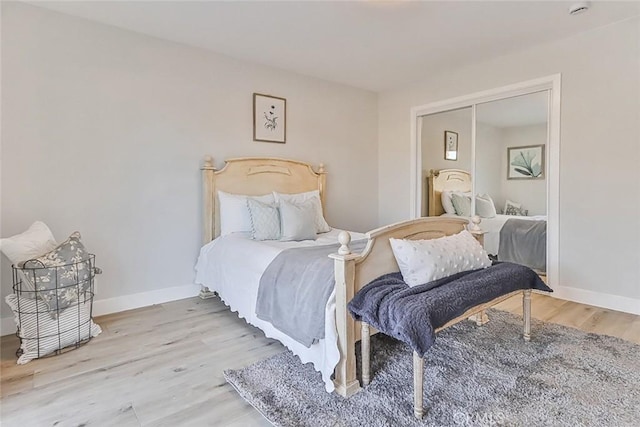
point(232, 265)
point(492, 227)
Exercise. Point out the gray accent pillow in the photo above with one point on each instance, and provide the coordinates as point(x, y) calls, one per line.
point(462, 204)
point(516, 211)
point(265, 220)
point(297, 221)
point(62, 274)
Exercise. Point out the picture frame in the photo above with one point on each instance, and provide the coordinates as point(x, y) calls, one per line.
point(526, 162)
point(450, 145)
point(269, 118)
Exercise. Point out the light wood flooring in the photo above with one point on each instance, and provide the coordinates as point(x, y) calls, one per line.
point(162, 366)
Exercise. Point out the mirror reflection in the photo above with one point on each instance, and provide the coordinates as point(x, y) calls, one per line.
point(509, 178)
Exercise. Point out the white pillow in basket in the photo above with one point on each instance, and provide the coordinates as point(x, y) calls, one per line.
point(423, 261)
point(37, 240)
point(72, 325)
point(32, 243)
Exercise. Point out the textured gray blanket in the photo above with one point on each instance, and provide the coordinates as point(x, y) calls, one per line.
point(413, 314)
point(524, 242)
point(295, 288)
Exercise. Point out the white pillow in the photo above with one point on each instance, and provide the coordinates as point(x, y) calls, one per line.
point(447, 204)
point(36, 241)
point(299, 198)
point(234, 212)
point(297, 221)
point(265, 220)
point(485, 208)
point(423, 261)
point(73, 325)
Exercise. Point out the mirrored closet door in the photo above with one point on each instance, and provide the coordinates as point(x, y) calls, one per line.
point(510, 177)
point(491, 159)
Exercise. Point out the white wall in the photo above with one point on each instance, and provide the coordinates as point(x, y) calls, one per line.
point(599, 186)
point(432, 144)
point(104, 131)
point(488, 176)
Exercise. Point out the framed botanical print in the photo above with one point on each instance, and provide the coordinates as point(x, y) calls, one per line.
point(526, 162)
point(269, 118)
point(450, 145)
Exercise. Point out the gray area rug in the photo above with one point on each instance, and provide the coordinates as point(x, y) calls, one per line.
point(474, 376)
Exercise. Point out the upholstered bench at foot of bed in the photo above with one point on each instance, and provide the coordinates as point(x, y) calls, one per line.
point(418, 361)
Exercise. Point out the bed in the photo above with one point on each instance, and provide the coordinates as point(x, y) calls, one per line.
point(232, 265)
point(457, 180)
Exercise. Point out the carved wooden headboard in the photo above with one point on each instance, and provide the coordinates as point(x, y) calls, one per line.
point(445, 179)
point(254, 176)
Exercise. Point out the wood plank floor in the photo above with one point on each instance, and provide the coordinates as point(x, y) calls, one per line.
point(162, 366)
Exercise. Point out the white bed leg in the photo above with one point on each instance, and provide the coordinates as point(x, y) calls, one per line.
point(205, 293)
point(526, 313)
point(418, 377)
point(365, 347)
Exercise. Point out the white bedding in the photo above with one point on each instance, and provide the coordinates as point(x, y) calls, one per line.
point(233, 264)
point(492, 227)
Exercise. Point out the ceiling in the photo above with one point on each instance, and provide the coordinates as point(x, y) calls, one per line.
point(375, 45)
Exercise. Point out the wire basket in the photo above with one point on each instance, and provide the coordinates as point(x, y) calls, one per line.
point(53, 306)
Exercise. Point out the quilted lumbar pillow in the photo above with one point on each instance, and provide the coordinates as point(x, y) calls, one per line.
point(62, 274)
point(40, 335)
point(265, 220)
point(423, 261)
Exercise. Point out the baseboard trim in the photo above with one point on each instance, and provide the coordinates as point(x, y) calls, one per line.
point(123, 303)
point(7, 326)
point(143, 299)
point(597, 299)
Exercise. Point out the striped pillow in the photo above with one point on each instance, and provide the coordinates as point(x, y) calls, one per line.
point(41, 335)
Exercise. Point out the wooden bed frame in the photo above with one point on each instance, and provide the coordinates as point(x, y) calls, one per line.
point(445, 179)
point(257, 176)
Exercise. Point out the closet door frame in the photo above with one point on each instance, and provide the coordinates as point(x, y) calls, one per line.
point(552, 84)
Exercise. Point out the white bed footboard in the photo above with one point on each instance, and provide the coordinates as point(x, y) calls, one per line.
point(354, 271)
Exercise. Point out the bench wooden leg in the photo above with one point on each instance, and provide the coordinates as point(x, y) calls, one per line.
point(526, 313)
point(418, 376)
point(365, 346)
point(480, 318)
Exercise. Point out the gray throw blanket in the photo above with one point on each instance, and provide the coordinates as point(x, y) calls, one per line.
point(524, 242)
point(413, 314)
point(295, 288)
